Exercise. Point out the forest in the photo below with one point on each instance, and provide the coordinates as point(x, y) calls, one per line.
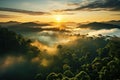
point(88, 58)
point(59, 39)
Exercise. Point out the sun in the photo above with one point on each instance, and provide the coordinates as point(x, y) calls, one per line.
point(58, 18)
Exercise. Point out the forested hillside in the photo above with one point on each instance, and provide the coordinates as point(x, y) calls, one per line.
point(87, 58)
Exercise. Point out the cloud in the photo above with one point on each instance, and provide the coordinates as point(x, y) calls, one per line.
point(97, 5)
point(24, 11)
point(73, 4)
point(62, 12)
point(7, 16)
point(116, 14)
point(105, 32)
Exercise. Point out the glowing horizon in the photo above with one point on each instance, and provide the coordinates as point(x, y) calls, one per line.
point(45, 10)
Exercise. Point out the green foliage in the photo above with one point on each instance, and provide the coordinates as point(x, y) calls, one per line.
point(10, 42)
point(59, 46)
point(103, 74)
point(52, 76)
point(66, 67)
point(59, 76)
point(82, 76)
point(92, 58)
point(68, 73)
point(65, 78)
point(38, 76)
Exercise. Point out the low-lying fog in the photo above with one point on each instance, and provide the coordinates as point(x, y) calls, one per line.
point(47, 38)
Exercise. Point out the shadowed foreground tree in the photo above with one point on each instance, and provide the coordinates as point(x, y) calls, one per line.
point(15, 44)
point(16, 54)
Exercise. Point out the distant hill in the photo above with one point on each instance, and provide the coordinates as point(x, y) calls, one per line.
point(30, 24)
point(115, 22)
point(99, 25)
point(10, 23)
point(15, 23)
point(24, 27)
point(29, 27)
point(34, 24)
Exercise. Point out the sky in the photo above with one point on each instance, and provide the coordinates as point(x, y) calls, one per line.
point(56, 10)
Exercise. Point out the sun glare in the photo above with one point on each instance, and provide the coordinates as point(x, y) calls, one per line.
point(58, 18)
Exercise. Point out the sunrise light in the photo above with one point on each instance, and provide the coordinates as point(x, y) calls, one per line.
point(58, 18)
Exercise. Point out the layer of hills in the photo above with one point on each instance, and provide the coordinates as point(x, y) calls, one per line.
point(101, 25)
point(28, 26)
point(40, 26)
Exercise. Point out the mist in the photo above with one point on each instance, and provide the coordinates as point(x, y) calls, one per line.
point(50, 49)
